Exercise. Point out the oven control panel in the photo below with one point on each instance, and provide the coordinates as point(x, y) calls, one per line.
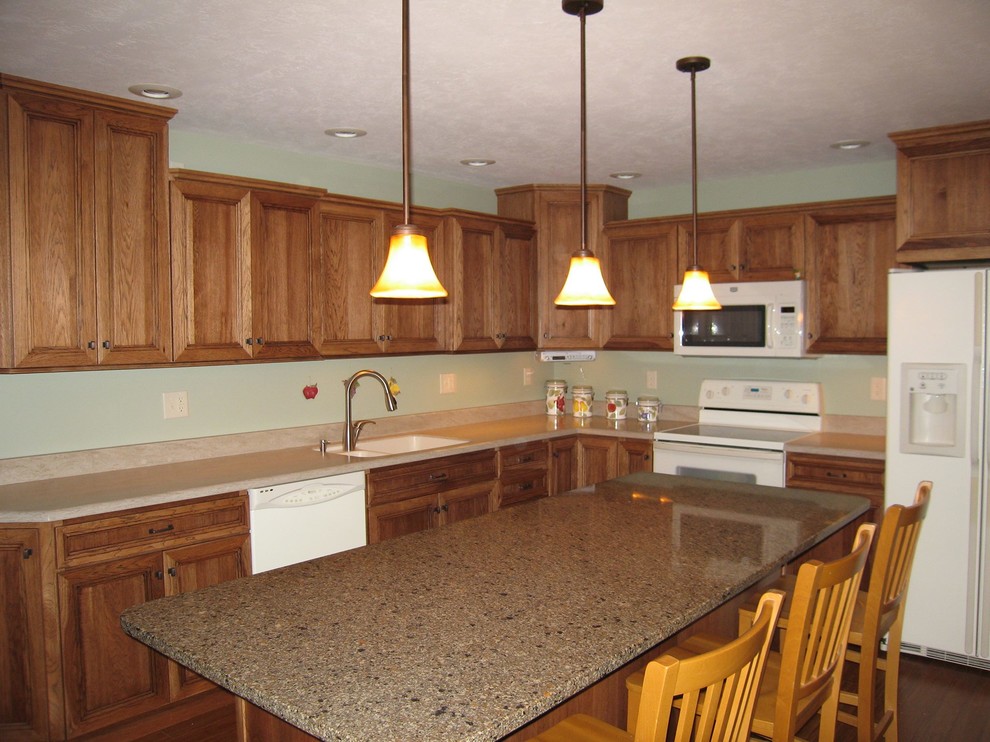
point(795, 397)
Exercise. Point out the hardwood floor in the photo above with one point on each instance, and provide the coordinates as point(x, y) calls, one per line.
point(938, 701)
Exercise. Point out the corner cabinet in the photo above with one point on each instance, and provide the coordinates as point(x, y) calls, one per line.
point(85, 277)
point(243, 253)
point(556, 210)
point(492, 272)
point(851, 249)
point(943, 200)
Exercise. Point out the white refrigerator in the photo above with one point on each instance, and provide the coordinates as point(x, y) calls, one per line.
point(937, 419)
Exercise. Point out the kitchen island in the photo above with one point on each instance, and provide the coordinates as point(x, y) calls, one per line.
point(472, 631)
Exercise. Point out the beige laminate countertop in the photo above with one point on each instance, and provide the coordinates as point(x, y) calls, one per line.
point(840, 444)
point(470, 631)
point(60, 498)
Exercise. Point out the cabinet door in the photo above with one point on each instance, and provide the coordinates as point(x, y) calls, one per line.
point(634, 455)
point(559, 219)
point(52, 232)
point(718, 248)
point(211, 271)
point(472, 245)
point(563, 465)
point(350, 255)
point(413, 325)
point(466, 502)
point(133, 286)
point(393, 519)
point(642, 265)
point(771, 247)
point(194, 567)
point(284, 230)
point(598, 460)
point(24, 700)
point(515, 282)
point(850, 251)
point(108, 676)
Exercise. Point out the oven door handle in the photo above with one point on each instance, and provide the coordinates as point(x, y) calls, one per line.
point(748, 453)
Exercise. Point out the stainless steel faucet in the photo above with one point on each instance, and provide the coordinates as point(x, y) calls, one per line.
point(353, 430)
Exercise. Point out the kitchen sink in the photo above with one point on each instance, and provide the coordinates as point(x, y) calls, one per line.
point(396, 444)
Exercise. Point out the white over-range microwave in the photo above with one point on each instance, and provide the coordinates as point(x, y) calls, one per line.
point(758, 319)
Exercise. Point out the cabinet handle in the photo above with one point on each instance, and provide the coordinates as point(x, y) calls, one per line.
point(249, 341)
point(438, 477)
point(732, 267)
point(91, 345)
point(166, 529)
point(525, 486)
point(444, 508)
point(526, 459)
point(171, 572)
point(159, 575)
point(836, 475)
point(555, 455)
point(261, 341)
point(27, 553)
point(646, 457)
point(106, 344)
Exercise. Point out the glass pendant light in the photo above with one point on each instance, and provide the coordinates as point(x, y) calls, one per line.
point(408, 272)
point(696, 289)
point(584, 285)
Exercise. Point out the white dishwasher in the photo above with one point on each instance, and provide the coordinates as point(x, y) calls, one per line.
point(298, 521)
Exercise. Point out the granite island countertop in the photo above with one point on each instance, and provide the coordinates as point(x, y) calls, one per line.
point(470, 631)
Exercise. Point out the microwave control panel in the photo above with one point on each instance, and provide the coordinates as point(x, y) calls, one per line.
point(788, 334)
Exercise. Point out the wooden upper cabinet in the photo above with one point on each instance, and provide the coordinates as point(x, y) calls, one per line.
point(350, 256)
point(943, 193)
point(556, 210)
point(86, 267)
point(413, 325)
point(243, 256)
point(492, 276)
point(640, 260)
point(851, 248)
point(764, 246)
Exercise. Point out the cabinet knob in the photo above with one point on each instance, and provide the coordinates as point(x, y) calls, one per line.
point(261, 341)
point(159, 575)
point(26, 554)
point(106, 344)
point(91, 345)
point(171, 572)
point(249, 341)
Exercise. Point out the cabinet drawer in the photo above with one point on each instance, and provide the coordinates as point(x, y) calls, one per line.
point(394, 483)
point(836, 473)
point(523, 456)
point(522, 487)
point(96, 539)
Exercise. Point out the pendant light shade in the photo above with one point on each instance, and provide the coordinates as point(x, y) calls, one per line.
point(408, 272)
point(696, 289)
point(584, 285)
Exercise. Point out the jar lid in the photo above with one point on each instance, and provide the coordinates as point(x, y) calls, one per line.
point(616, 393)
point(556, 382)
point(581, 389)
point(648, 400)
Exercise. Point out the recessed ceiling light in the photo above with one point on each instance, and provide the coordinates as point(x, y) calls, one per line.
point(155, 91)
point(625, 175)
point(345, 132)
point(477, 162)
point(850, 144)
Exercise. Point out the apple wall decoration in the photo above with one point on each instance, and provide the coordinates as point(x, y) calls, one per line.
point(310, 391)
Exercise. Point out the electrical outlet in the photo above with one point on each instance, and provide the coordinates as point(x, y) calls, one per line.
point(448, 383)
point(651, 379)
point(527, 377)
point(175, 404)
point(878, 388)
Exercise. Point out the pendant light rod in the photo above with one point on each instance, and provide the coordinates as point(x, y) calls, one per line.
point(694, 65)
point(406, 138)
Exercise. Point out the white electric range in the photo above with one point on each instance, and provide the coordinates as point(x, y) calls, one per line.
point(741, 431)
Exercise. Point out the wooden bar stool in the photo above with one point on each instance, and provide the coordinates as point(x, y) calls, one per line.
point(879, 612)
point(715, 692)
point(803, 678)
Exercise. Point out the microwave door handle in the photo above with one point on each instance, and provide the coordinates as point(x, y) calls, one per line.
point(769, 329)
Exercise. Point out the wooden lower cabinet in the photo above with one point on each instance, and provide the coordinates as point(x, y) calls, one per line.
point(601, 458)
point(523, 473)
point(64, 587)
point(563, 464)
point(23, 687)
point(408, 498)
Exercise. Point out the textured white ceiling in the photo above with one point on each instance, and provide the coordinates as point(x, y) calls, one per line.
point(499, 79)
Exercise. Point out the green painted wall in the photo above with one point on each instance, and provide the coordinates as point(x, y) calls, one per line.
point(56, 412)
